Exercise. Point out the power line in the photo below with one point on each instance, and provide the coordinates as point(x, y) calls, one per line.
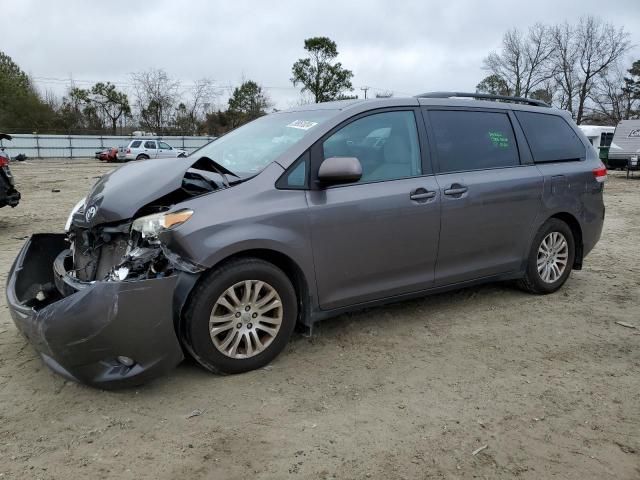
point(219, 83)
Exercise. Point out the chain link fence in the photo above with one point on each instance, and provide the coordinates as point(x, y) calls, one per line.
point(83, 146)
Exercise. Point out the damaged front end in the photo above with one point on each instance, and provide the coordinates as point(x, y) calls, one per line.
point(106, 334)
point(101, 302)
point(130, 251)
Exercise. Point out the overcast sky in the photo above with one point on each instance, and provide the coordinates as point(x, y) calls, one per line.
point(407, 47)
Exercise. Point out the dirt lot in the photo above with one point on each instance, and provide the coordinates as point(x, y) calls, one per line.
point(550, 384)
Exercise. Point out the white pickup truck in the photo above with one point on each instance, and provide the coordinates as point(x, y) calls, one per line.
point(144, 149)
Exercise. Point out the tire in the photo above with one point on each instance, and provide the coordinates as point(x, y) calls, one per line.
point(533, 280)
point(204, 307)
point(142, 157)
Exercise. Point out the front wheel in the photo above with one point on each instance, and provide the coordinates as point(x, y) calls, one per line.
point(551, 258)
point(240, 316)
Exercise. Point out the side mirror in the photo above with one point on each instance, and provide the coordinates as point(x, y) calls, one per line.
point(336, 170)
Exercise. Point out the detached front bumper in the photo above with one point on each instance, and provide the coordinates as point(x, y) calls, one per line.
point(85, 335)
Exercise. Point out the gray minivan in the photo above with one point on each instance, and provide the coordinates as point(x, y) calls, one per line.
point(301, 215)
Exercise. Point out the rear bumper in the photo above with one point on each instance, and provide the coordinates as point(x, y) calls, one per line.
point(81, 335)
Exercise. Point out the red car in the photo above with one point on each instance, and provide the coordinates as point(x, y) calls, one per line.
point(108, 155)
point(8, 193)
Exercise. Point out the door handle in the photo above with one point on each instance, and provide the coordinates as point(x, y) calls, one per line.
point(456, 189)
point(421, 194)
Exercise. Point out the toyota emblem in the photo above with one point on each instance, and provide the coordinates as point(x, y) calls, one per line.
point(90, 213)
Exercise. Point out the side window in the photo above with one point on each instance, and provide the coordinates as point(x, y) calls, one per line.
point(473, 140)
point(150, 144)
point(550, 137)
point(385, 143)
point(296, 178)
point(135, 144)
point(164, 146)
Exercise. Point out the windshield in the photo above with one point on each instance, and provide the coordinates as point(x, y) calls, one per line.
point(248, 149)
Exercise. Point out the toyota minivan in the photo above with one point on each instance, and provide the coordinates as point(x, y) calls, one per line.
point(301, 215)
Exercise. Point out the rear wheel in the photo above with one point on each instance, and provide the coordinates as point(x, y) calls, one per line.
point(142, 157)
point(240, 316)
point(551, 258)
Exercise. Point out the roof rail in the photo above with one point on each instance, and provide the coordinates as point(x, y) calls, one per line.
point(485, 96)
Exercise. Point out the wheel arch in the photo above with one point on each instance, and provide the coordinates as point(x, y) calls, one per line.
point(290, 267)
point(576, 230)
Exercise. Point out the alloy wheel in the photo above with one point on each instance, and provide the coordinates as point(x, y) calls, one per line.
point(553, 255)
point(245, 319)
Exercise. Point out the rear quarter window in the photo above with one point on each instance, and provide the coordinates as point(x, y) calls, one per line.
point(135, 144)
point(550, 138)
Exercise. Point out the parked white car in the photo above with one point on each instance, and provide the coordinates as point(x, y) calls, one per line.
point(143, 149)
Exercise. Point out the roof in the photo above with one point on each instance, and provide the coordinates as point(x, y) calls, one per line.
point(593, 130)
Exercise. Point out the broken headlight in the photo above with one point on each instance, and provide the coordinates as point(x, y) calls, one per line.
point(79, 205)
point(152, 225)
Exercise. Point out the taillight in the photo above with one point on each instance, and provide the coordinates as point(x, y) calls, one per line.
point(4, 161)
point(128, 150)
point(600, 173)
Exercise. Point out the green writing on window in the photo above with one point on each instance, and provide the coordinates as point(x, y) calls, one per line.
point(499, 139)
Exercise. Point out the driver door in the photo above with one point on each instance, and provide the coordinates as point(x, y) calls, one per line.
point(378, 237)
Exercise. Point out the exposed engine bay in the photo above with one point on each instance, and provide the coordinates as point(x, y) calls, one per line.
point(108, 254)
point(131, 250)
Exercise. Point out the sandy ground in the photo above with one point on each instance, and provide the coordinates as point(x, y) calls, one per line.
point(549, 384)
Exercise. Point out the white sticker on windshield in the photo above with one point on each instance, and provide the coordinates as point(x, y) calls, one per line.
point(302, 124)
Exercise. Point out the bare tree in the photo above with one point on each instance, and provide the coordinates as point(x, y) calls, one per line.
point(614, 97)
point(156, 97)
point(564, 64)
point(202, 94)
point(523, 61)
point(600, 46)
point(199, 98)
point(582, 57)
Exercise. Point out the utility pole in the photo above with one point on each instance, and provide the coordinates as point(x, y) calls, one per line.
point(364, 89)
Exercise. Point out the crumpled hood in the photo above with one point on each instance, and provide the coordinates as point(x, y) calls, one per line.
point(118, 195)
